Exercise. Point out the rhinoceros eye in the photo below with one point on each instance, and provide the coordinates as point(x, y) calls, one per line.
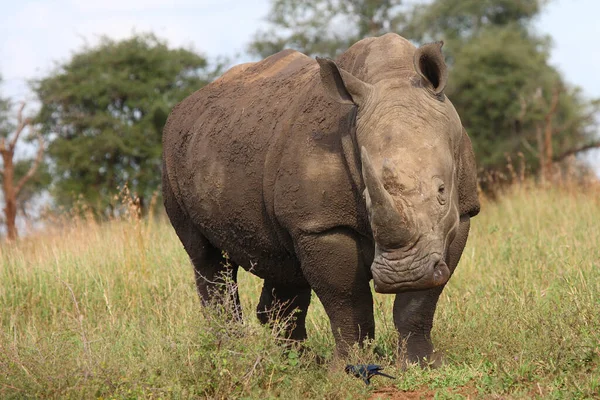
point(441, 194)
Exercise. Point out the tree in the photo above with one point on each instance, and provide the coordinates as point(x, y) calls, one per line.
point(325, 27)
point(457, 20)
point(103, 112)
point(13, 174)
point(504, 89)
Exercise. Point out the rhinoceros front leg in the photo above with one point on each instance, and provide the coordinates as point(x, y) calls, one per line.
point(333, 265)
point(414, 311)
point(413, 317)
point(286, 304)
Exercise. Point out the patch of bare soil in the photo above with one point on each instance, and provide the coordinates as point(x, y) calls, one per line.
point(392, 393)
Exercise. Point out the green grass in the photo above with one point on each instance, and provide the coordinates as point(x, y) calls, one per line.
point(110, 311)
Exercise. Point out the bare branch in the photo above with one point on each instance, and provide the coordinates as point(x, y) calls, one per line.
point(21, 124)
point(565, 154)
point(34, 166)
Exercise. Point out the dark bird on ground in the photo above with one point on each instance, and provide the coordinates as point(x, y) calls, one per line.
point(366, 371)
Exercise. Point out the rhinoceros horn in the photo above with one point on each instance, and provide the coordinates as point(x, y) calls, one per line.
point(390, 223)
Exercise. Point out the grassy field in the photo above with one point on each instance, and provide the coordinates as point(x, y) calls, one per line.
point(110, 311)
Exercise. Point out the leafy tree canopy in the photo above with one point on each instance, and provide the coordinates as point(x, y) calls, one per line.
point(103, 112)
point(325, 27)
point(462, 19)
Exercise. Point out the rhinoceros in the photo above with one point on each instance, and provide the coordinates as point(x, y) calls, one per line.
point(325, 175)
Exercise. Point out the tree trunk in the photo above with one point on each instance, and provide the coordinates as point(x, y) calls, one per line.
point(548, 157)
point(541, 152)
point(10, 196)
point(10, 189)
point(548, 130)
point(142, 209)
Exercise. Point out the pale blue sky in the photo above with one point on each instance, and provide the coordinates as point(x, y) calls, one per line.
point(34, 34)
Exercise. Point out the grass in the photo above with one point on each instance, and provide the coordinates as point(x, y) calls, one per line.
point(110, 311)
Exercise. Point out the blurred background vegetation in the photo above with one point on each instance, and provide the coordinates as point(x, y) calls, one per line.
point(102, 110)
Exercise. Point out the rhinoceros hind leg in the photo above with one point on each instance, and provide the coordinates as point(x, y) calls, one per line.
point(286, 304)
point(216, 279)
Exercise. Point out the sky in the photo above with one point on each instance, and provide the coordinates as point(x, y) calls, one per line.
point(36, 34)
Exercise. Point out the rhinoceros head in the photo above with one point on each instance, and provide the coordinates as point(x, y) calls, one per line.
point(409, 136)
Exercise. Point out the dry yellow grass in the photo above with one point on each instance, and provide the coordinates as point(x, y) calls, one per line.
point(110, 311)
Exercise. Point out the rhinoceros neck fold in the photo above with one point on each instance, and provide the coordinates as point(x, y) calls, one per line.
point(350, 149)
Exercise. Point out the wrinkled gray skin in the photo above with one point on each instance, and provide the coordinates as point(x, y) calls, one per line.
point(324, 175)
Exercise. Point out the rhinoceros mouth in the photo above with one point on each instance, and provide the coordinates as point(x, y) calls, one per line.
point(395, 275)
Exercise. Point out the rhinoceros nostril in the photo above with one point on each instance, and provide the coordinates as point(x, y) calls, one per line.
point(441, 273)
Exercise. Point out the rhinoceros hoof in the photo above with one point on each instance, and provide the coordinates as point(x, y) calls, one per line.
point(431, 360)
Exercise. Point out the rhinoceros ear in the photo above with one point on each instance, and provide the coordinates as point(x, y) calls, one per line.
point(342, 86)
point(430, 65)
point(468, 198)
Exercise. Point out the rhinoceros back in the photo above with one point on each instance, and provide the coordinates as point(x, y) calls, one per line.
point(217, 142)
